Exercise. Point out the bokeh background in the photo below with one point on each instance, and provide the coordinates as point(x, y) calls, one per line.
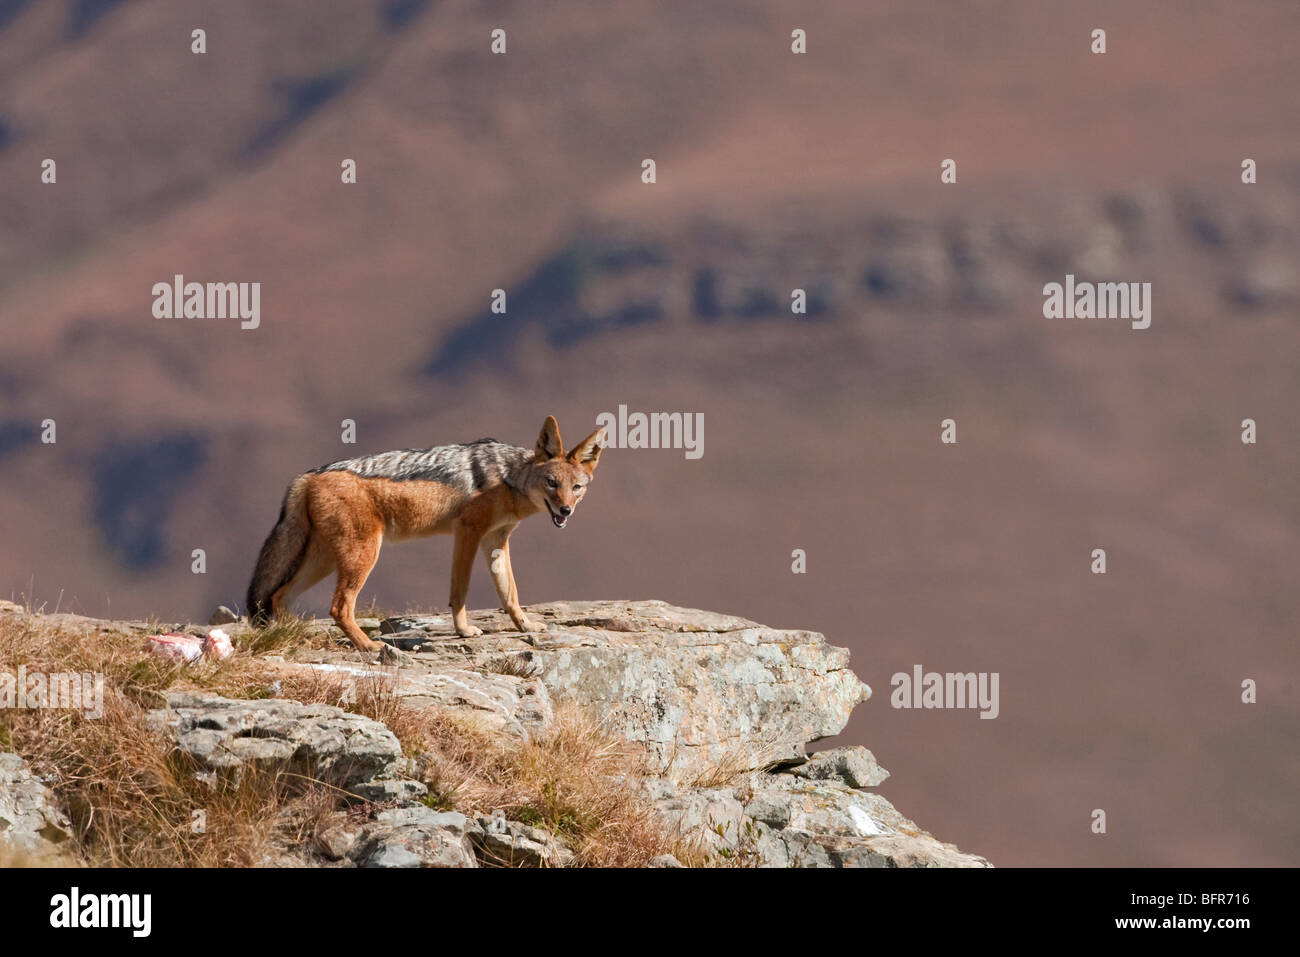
point(775, 171)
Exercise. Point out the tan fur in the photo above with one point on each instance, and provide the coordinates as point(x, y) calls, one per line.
point(336, 521)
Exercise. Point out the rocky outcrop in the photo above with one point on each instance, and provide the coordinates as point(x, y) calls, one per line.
point(699, 689)
point(723, 707)
point(31, 824)
point(706, 694)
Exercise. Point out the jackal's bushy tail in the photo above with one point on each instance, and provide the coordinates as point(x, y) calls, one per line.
point(281, 554)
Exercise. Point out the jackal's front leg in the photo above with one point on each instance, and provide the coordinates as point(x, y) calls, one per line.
point(496, 549)
point(462, 566)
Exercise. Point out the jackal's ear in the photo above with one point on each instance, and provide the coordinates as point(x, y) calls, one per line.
point(549, 445)
point(587, 452)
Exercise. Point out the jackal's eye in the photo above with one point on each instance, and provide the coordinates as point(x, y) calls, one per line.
point(577, 488)
point(552, 484)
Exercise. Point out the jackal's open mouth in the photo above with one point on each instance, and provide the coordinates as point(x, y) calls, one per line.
point(556, 518)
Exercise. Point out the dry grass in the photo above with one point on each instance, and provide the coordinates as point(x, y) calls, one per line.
point(130, 802)
point(737, 767)
point(520, 665)
point(733, 768)
point(133, 804)
point(284, 633)
point(579, 781)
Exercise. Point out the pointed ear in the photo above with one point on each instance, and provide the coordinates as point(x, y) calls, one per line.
point(549, 445)
point(587, 452)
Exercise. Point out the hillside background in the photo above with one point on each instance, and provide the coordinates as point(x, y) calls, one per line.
point(775, 171)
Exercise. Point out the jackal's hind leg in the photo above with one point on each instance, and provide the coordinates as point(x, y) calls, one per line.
point(354, 568)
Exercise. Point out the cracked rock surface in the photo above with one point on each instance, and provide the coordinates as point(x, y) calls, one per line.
point(31, 822)
point(696, 688)
point(225, 735)
point(780, 820)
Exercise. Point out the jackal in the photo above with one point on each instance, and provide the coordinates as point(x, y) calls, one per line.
point(335, 517)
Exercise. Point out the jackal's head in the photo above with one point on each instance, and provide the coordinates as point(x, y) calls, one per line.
point(558, 480)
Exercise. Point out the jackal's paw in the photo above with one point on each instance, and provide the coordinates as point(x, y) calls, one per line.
point(528, 624)
point(469, 631)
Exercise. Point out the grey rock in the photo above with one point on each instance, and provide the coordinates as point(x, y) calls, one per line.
point(31, 823)
point(820, 807)
point(322, 742)
point(803, 849)
point(517, 706)
point(665, 860)
point(394, 855)
point(855, 766)
point(404, 623)
point(397, 789)
point(770, 810)
point(389, 655)
point(711, 817)
point(696, 688)
point(494, 823)
point(779, 820)
point(416, 837)
point(417, 815)
point(507, 843)
point(223, 616)
point(337, 842)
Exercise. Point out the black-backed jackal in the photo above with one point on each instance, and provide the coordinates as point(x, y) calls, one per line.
point(335, 517)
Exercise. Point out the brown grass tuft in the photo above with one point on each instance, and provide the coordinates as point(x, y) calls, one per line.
point(578, 781)
point(520, 665)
